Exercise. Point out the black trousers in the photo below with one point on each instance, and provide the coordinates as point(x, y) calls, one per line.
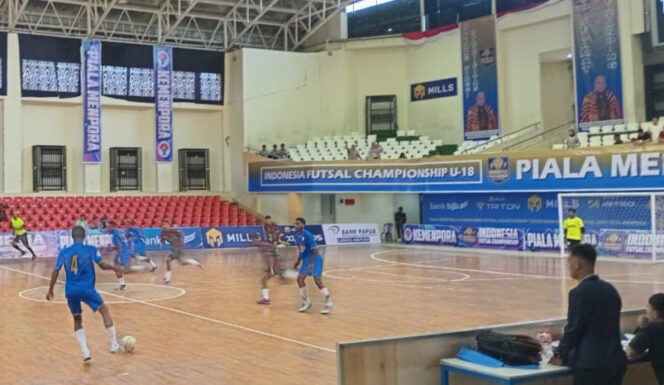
point(399, 227)
point(612, 376)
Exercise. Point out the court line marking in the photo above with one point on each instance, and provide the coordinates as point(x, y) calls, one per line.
point(179, 289)
point(424, 279)
point(374, 256)
point(193, 315)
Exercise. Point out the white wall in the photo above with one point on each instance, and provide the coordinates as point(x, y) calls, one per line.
point(378, 208)
point(26, 122)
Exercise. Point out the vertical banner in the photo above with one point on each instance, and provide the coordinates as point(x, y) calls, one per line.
point(597, 63)
point(480, 78)
point(91, 89)
point(163, 94)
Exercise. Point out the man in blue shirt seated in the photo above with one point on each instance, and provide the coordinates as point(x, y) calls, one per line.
point(79, 263)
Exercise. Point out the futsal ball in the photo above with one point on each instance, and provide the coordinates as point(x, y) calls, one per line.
point(128, 343)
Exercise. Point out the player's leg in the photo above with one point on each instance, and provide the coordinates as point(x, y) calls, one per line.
point(187, 261)
point(110, 327)
point(119, 273)
point(15, 245)
point(74, 304)
point(94, 300)
point(24, 241)
point(304, 293)
point(318, 278)
point(168, 274)
point(264, 290)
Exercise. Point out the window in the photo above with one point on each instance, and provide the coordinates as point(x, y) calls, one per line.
point(140, 82)
point(381, 17)
point(446, 12)
point(511, 5)
point(381, 114)
point(50, 66)
point(126, 170)
point(184, 85)
point(210, 86)
point(194, 169)
point(115, 80)
point(49, 168)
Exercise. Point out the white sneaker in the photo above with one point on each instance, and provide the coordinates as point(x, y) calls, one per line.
point(116, 348)
point(305, 306)
point(165, 281)
point(326, 309)
point(86, 356)
point(153, 266)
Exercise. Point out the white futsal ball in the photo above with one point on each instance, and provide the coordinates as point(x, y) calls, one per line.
point(128, 343)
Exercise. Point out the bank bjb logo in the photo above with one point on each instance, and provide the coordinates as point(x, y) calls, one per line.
point(613, 243)
point(419, 92)
point(534, 203)
point(214, 237)
point(407, 234)
point(469, 235)
point(499, 169)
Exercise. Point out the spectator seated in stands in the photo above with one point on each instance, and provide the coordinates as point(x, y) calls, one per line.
point(264, 152)
point(654, 123)
point(650, 336)
point(643, 136)
point(617, 139)
point(283, 152)
point(274, 154)
point(102, 222)
point(82, 222)
point(402, 156)
point(572, 141)
point(353, 153)
point(375, 151)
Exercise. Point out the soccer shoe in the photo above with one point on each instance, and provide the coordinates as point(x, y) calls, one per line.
point(23, 253)
point(153, 266)
point(116, 349)
point(326, 309)
point(305, 306)
point(86, 356)
point(34, 257)
point(165, 281)
point(121, 287)
point(264, 301)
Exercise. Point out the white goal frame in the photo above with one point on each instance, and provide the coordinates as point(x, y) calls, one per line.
point(653, 218)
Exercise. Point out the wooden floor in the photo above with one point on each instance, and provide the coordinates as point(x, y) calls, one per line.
point(205, 328)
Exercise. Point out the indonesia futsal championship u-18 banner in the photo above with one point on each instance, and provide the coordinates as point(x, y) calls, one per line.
point(597, 63)
point(163, 94)
point(91, 89)
point(480, 79)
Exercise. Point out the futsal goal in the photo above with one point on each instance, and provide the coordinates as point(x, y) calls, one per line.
point(627, 225)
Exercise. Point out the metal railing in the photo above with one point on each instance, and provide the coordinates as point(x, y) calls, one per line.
point(549, 130)
point(500, 139)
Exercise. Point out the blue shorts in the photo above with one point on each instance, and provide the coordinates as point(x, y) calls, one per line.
point(138, 248)
point(123, 258)
point(317, 271)
point(90, 297)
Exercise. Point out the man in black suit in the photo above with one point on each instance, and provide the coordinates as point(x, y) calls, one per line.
point(591, 341)
point(399, 222)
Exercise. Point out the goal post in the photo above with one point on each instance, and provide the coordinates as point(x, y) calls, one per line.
point(622, 226)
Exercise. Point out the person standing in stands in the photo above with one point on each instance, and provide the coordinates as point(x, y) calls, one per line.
point(650, 337)
point(20, 234)
point(264, 152)
point(591, 343)
point(82, 222)
point(573, 227)
point(399, 222)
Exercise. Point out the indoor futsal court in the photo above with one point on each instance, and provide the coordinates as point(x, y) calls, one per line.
point(205, 327)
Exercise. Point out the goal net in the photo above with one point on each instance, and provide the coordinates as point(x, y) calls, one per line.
point(620, 225)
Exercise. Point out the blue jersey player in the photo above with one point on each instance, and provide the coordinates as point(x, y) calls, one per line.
point(137, 247)
point(123, 254)
point(312, 264)
point(79, 263)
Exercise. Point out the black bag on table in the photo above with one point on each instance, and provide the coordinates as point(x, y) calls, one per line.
point(511, 349)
